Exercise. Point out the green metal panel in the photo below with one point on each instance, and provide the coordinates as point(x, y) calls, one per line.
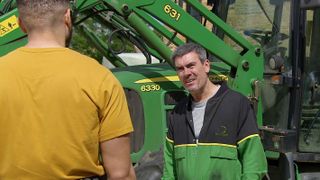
point(155, 119)
point(160, 28)
point(11, 36)
point(82, 5)
point(172, 15)
point(150, 37)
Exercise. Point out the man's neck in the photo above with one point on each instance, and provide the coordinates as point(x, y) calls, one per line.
point(45, 40)
point(208, 91)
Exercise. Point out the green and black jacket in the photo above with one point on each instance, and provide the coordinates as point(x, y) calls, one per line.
point(228, 147)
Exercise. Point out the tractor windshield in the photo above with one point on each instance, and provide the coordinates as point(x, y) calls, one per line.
point(267, 23)
point(309, 140)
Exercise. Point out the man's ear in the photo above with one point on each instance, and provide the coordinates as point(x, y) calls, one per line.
point(207, 65)
point(22, 26)
point(67, 18)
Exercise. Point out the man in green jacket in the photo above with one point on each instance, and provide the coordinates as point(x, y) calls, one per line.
point(212, 134)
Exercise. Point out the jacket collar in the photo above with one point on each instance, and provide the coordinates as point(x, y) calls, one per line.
point(223, 88)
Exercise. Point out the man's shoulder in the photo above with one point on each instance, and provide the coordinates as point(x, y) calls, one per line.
point(5, 61)
point(85, 62)
point(226, 93)
point(81, 57)
point(9, 55)
point(182, 104)
point(81, 65)
point(235, 95)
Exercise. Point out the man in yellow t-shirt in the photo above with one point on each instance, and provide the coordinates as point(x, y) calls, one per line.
point(59, 108)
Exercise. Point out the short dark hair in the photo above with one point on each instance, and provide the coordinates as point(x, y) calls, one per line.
point(41, 13)
point(187, 48)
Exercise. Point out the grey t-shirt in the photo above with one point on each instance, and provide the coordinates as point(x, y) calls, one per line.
point(198, 110)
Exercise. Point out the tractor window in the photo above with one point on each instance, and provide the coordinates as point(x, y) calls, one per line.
point(267, 23)
point(137, 116)
point(309, 138)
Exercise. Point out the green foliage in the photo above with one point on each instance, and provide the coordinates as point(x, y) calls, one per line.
point(83, 45)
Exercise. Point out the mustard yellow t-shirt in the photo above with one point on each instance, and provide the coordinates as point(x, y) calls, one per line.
point(56, 105)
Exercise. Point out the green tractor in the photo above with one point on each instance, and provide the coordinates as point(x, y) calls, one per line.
point(266, 49)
